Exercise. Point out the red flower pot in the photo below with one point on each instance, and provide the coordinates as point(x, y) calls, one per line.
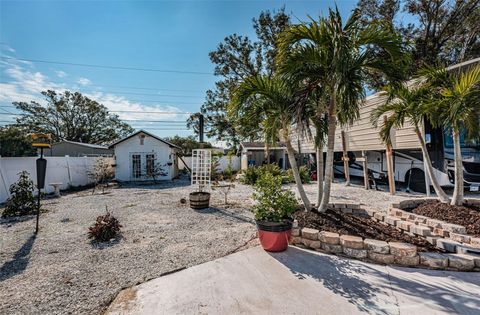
point(274, 236)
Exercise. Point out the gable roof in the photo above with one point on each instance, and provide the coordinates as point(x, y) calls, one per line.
point(148, 134)
point(83, 144)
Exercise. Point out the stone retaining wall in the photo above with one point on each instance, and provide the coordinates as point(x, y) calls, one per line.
point(458, 257)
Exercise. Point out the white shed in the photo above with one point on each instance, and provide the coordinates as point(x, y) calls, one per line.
point(141, 155)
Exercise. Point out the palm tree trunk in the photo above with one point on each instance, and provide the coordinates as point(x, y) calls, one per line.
point(267, 152)
point(296, 175)
point(319, 174)
point(457, 198)
point(440, 192)
point(332, 124)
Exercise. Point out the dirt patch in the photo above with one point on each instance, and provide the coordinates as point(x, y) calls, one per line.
point(469, 216)
point(342, 223)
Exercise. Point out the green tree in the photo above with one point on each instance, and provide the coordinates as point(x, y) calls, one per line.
point(442, 31)
point(404, 105)
point(71, 116)
point(341, 57)
point(456, 106)
point(15, 141)
point(270, 99)
point(187, 143)
point(237, 58)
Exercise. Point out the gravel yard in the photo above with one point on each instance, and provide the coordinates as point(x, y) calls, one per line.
point(61, 272)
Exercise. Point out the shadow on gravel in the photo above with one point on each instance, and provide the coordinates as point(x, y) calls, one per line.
point(226, 213)
point(14, 220)
point(19, 262)
point(364, 286)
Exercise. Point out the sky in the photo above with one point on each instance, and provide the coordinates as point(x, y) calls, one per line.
point(172, 38)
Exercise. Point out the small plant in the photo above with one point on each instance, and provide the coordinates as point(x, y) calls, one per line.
point(155, 171)
point(274, 204)
point(21, 201)
point(105, 228)
point(304, 175)
point(250, 176)
point(101, 173)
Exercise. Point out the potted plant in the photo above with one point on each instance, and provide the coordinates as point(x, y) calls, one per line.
point(273, 212)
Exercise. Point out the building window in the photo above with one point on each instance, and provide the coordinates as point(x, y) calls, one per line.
point(150, 161)
point(136, 166)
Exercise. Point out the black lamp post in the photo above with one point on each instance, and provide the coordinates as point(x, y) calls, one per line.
point(40, 141)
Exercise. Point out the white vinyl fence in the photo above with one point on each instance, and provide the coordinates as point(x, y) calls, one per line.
point(70, 171)
point(223, 162)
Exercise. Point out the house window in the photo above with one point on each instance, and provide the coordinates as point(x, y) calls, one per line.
point(136, 166)
point(150, 161)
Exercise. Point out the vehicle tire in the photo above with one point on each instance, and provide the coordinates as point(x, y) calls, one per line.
point(417, 180)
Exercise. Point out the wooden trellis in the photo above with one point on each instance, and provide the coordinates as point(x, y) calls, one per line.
point(201, 168)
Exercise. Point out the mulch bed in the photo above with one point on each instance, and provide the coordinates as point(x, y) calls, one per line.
point(467, 216)
point(342, 223)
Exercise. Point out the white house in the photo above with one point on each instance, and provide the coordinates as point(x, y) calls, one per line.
point(142, 154)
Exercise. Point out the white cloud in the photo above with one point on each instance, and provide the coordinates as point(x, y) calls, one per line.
point(61, 74)
point(7, 48)
point(25, 85)
point(84, 81)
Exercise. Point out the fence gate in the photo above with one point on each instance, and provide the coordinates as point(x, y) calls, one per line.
point(201, 168)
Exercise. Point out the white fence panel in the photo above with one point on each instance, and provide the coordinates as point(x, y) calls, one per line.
point(70, 171)
point(223, 162)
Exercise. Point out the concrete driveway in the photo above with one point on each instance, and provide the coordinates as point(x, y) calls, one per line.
point(301, 282)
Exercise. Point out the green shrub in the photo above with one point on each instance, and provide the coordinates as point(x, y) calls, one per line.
point(273, 203)
point(304, 175)
point(250, 176)
point(105, 228)
point(21, 201)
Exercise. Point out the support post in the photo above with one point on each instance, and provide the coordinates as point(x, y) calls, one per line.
point(346, 167)
point(365, 171)
point(391, 175)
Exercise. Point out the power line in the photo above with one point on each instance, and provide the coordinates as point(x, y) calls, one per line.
point(123, 87)
point(108, 67)
point(123, 111)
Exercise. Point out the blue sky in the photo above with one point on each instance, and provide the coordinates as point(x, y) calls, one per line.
point(163, 35)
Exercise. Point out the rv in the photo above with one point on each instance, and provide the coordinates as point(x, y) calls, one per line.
point(362, 139)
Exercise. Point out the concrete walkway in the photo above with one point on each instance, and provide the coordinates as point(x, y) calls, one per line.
point(301, 282)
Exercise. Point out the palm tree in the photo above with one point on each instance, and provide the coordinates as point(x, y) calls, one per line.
point(270, 98)
point(407, 104)
point(337, 59)
point(456, 105)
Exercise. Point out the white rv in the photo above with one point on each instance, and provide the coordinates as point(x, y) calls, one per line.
point(407, 158)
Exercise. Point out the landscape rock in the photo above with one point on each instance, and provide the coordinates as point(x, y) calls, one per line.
point(332, 248)
point(355, 253)
point(447, 245)
point(420, 230)
point(461, 262)
point(407, 261)
point(376, 246)
point(404, 225)
point(350, 241)
point(329, 237)
point(379, 216)
point(475, 241)
point(391, 220)
point(381, 258)
point(462, 238)
point(402, 249)
point(433, 223)
point(455, 228)
point(295, 232)
point(311, 234)
point(432, 239)
point(433, 260)
point(295, 240)
point(311, 243)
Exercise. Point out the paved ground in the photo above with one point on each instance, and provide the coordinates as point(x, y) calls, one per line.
point(301, 282)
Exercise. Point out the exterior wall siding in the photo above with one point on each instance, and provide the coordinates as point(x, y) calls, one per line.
point(164, 154)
